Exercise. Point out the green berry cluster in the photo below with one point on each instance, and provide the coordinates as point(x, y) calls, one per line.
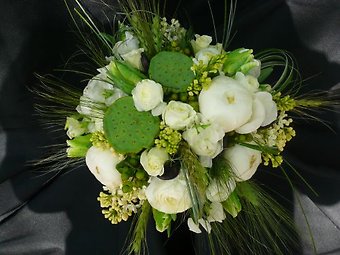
point(132, 173)
point(168, 139)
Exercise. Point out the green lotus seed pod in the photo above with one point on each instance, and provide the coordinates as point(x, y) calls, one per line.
point(128, 130)
point(172, 70)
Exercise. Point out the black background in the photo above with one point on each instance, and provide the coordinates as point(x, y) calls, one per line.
point(59, 214)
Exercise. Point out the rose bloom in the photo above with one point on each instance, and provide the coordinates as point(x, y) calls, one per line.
point(205, 141)
point(243, 161)
point(147, 95)
point(153, 161)
point(206, 54)
point(178, 115)
point(200, 42)
point(102, 164)
point(226, 102)
point(168, 196)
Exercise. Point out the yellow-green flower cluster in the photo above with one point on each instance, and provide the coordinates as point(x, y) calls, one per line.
point(276, 136)
point(99, 140)
point(204, 72)
point(119, 206)
point(285, 103)
point(168, 139)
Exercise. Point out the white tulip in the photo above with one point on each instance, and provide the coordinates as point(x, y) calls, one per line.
point(102, 164)
point(168, 196)
point(74, 127)
point(196, 227)
point(226, 102)
point(218, 191)
point(153, 161)
point(147, 95)
point(269, 106)
point(243, 161)
point(178, 115)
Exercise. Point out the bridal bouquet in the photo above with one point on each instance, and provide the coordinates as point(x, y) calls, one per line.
point(174, 125)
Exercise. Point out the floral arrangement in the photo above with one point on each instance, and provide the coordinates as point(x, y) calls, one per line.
point(174, 126)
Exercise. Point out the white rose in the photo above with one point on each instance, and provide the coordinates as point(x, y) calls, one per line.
point(218, 191)
point(269, 106)
point(178, 115)
point(248, 81)
point(102, 164)
point(205, 140)
point(200, 42)
point(134, 58)
point(153, 161)
point(169, 196)
point(147, 95)
point(226, 102)
point(216, 212)
point(243, 161)
point(206, 54)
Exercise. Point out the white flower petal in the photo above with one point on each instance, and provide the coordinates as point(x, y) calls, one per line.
point(269, 106)
point(193, 227)
point(178, 115)
point(226, 102)
point(256, 119)
point(102, 164)
point(243, 161)
point(153, 161)
point(168, 196)
point(216, 212)
point(218, 191)
point(147, 95)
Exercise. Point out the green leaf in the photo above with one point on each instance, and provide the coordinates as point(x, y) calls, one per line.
point(124, 76)
point(245, 190)
point(232, 205)
point(78, 146)
point(163, 220)
point(265, 74)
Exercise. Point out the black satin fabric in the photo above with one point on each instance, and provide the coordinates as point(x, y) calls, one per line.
point(58, 213)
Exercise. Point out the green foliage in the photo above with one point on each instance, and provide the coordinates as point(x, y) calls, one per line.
point(163, 220)
point(137, 244)
point(78, 146)
point(289, 78)
point(232, 205)
point(128, 130)
point(262, 227)
point(124, 76)
point(196, 177)
point(172, 70)
point(239, 60)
